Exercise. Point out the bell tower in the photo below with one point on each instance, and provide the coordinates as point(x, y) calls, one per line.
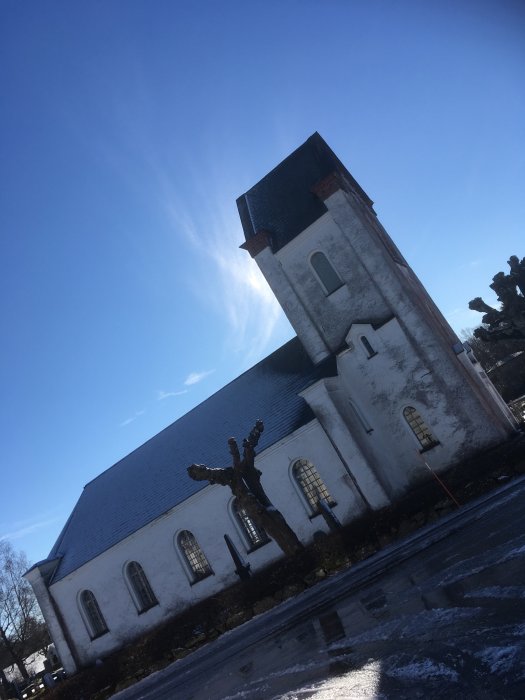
point(348, 292)
point(315, 236)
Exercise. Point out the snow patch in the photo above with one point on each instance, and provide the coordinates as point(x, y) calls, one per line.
point(497, 592)
point(499, 659)
point(360, 683)
point(411, 625)
point(425, 669)
point(478, 563)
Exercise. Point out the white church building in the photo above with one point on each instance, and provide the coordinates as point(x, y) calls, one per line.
point(374, 378)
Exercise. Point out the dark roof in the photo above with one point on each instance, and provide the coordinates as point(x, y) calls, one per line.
point(153, 479)
point(282, 203)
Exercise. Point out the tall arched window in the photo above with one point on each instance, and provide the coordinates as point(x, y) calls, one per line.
point(141, 590)
point(311, 484)
point(325, 272)
point(419, 428)
point(254, 535)
point(92, 615)
point(194, 557)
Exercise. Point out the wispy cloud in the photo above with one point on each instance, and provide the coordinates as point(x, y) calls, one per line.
point(236, 288)
point(200, 210)
point(470, 264)
point(22, 528)
point(195, 377)
point(161, 395)
point(130, 420)
point(463, 320)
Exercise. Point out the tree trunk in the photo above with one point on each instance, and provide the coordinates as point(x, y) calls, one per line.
point(273, 522)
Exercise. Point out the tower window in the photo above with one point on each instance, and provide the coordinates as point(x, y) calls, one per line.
point(193, 556)
point(419, 428)
point(255, 535)
point(142, 592)
point(92, 615)
point(311, 484)
point(366, 344)
point(325, 272)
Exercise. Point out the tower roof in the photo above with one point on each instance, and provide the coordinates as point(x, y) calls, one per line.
point(282, 203)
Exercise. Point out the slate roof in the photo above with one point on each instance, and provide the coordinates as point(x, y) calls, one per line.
point(153, 479)
point(282, 202)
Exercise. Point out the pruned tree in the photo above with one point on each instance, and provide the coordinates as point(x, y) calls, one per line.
point(21, 622)
point(507, 322)
point(244, 480)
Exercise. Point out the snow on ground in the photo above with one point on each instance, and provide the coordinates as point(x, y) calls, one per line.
point(499, 659)
point(480, 562)
point(361, 683)
point(497, 592)
point(424, 669)
point(418, 624)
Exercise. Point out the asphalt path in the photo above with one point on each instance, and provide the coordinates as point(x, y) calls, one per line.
point(440, 614)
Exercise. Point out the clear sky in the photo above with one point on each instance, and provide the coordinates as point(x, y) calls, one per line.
point(128, 129)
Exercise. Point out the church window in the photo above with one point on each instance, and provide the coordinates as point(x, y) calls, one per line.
point(141, 590)
point(254, 535)
point(419, 428)
point(367, 346)
point(325, 272)
point(194, 556)
point(92, 615)
point(311, 484)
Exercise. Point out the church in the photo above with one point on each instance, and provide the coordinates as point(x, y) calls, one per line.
point(375, 384)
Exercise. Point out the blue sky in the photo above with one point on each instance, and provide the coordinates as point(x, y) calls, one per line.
point(129, 127)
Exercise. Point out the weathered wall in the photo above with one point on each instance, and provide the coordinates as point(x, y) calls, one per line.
point(416, 362)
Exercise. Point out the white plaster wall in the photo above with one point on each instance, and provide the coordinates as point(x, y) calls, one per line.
point(293, 306)
point(328, 399)
point(207, 516)
point(358, 298)
point(396, 377)
point(36, 579)
point(423, 325)
point(376, 288)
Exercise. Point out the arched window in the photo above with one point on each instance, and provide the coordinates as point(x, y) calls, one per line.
point(311, 484)
point(94, 619)
point(254, 535)
point(366, 344)
point(142, 593)
point(419, 428)
point(193, 556)
point(325, 272)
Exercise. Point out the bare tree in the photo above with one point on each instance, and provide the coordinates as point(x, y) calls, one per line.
point(244, 480)
point(20, 615)
point(507, 322)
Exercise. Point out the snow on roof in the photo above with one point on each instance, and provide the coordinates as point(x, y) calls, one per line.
point(153, 479)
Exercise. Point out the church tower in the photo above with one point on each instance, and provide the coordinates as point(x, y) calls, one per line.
point(403, 375)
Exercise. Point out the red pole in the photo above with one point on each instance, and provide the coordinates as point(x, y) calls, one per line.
point(440, 482)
